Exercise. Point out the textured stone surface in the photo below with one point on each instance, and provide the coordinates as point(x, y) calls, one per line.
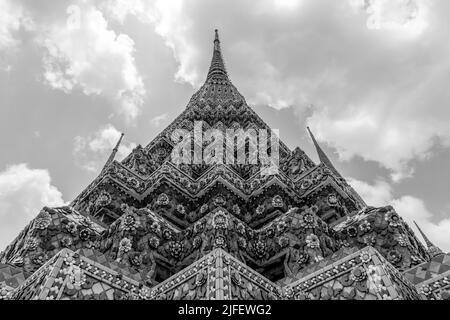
point(147, 228)
point(358, 276)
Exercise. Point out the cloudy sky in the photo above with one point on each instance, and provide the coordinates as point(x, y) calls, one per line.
point(370, 77)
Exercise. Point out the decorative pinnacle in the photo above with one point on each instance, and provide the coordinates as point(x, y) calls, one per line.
point(116, 148)
point(113, 153)
point(217, 68)
point(216, 41)
point(326, 161)
point(432, 249)
point(322, 155)
point(217, 35)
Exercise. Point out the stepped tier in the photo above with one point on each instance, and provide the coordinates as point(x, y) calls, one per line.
point(148, 228)
point(154, 249)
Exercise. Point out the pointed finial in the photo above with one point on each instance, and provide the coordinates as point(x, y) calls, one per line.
point(217, 68)
point(322, 155)
point(74, 203)
point(432, 249)
point(216, 41)
point(114, 152)
point(119, 142)
point(217, 35)
point(326, 161)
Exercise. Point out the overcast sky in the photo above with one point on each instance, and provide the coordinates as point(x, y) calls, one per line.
point(370, 77)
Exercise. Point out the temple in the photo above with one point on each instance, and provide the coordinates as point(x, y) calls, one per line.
point(147, 228)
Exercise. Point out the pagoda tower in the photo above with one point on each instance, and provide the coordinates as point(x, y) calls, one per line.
point(150, 228)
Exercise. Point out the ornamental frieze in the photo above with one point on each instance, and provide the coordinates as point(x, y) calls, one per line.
point(148, 229)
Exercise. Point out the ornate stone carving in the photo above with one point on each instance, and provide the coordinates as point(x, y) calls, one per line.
point(147, 228)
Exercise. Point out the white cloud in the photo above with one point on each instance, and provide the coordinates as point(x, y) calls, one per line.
point(405, 17)
point(159, 120)
point(172, 22)
point(83, 53)
point(384, 134)
point(287, 4)
point(393, 95)
point(23, 192)
point(12, 18)
point(376, 195)
point(91, 152)
point(119, 10)
point(414, 209)
point(409, 208)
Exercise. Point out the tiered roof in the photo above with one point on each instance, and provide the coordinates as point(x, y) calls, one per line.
point(147, 228)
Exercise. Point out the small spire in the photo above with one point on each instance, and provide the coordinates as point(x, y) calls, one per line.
point(322, 155)
point(113, 153)
point(217, 68)
point(216, 40)
point(326, 161)
point(217, 35)
point(432, 249)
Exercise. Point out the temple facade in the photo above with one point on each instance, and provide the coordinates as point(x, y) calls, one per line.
point(149, 228)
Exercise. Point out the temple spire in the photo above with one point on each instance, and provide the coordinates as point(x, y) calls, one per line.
point(326, 161)
point(432, 249)
point(217, 68)
point(216, 40)
point(322, 155)
point(113, 153)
